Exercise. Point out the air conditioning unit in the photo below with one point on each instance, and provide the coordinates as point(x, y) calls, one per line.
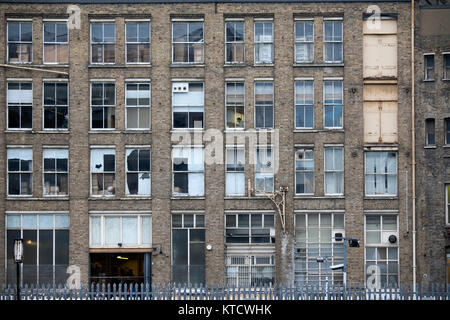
point(389, 238)
point(180, 87)
point(338, 233)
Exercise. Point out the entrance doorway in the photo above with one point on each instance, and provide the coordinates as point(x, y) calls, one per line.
point(120, 268)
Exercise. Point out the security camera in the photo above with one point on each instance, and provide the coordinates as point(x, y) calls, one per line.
point(337, 266)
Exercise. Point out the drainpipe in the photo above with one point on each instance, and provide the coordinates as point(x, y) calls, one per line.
point(413, 141)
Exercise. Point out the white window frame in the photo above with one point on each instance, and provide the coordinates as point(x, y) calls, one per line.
point(333, 42)
point(55, 172)
point(138, 171)
point(188, 42)
point(55, 81)
point(19, 81)
point(20, 42)
point(103, 43)
point(103, 106)
point(264, 105)
point(263, 42)
point(304, 150)
point(122, 214)
point(232, 43)
point(384, 174)
point(234, 105)
point(380, 245)
point(189, 82)
point(235, 149)
point(304, 41)
point(333, 147)
point(56, 43)
point(190, 148)
point(138, 21)
point(446, 73)
point(309, 245)
point(447, 204)
point(19, 172)
point(305, 82)
point(266, 174)
point(103, 195)
point(138, 83)
point(333, 104)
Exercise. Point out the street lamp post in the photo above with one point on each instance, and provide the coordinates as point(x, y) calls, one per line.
point(18, 258)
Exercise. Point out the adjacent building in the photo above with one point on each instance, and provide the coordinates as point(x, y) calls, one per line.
point(212, 141)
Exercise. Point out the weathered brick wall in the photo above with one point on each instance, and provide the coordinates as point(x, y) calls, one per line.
point(214, 74)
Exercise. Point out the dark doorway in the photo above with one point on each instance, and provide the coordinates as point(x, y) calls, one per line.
point(120, 268)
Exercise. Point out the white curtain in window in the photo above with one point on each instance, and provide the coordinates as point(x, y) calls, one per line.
point(146, 232)
point(56, 153)
point(194, 96)
point(196, 184)
point(97, 156)
point(235, 183)
point(129, 230)
point(112, 230)
point(95, 231)
point(22, 154)
point(20, 96)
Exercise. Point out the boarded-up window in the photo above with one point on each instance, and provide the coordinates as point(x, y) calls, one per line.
point(380, 49)
point(380, 113)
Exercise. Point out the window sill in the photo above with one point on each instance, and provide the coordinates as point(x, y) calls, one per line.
point(256, 197)
point(318, 130)
point(19, 131)
point(226, 65)
point(103, 198)
point(324, 64)
point(429, 80)
point(187, 198)
point(105, 131)
point(263, 64)
point(31, 198)
point(187, 65)
point(446, 146)
point(429, 147)
point(136, 198)
point(298, 196)
point(380, 198)
point(54, 131)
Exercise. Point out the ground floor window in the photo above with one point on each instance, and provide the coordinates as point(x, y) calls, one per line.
point(120, 268)
point(250, 267)
point(188, 248)
point(314, 233)
point(46, 247)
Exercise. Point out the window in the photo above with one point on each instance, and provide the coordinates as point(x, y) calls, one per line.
point(304, 171)
point(304, 104)
point(56, 105)
point(381, 173)
point(20, 172)
point(56, 42)
point(103, 102)
point(249, 228)
point(235, 181)
point(430, 132)
point(333, 104)
point(264, 170)
point(304, 41)
point(187, 42)
point(429, 66)
point(447, 205)
point(56, 169)
point(246, 269)
point(188, 171)
point(446, 57)
point(381, 259)
point(334, 170)
point(103, 42)
point(447, 131)
point(138, 171)
point(120, 230)
point(20, 42)
point(103, 167)
point(188, 248)
point(263, 42)
point(187, 105)
point(314, 234)
point(235, 105)
point(332, 41)
point(264, 105)
point(137, 103)
point(138, 42)
point(20, 105)
point(234, 42)
point(45, 246)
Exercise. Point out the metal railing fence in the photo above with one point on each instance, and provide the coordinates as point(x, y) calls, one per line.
point(226, 292)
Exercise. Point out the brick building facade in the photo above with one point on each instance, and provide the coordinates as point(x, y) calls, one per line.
point(96, 100)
